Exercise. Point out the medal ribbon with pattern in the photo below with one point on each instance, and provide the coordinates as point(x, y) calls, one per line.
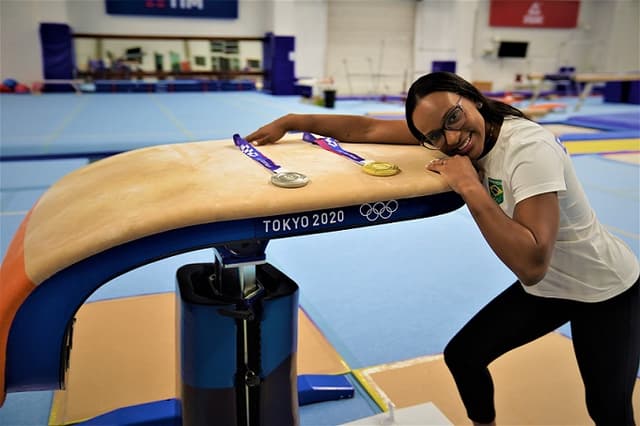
point(375, 168)
point(280, 176)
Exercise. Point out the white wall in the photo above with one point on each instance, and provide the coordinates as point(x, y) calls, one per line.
point(622, 45)
point(371, 45)
point(20, 56)
point(308, 23)
point(595, 45)
point(606, 38)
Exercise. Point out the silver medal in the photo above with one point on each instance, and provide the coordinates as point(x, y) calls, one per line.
point(289, 179)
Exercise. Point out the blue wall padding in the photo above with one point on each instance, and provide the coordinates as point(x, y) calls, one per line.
point(437, 66)
point(622, 92)
point(634, 93)
point(613, 92)
point(57, 51)
point(279, 70)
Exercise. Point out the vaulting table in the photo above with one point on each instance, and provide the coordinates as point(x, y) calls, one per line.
point(134, 208)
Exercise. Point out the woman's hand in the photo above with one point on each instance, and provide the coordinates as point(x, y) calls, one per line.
point(269, 133)
point(458, 171)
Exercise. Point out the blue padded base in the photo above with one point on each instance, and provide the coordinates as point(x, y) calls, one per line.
point(311, 388)
point(157, 413)
point(320, 387)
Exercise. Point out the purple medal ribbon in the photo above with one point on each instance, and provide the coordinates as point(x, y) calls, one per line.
point(280, 177)
point(248, 150)
point(330, 144)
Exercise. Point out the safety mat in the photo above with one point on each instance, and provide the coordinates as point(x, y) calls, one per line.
point(124, 354)
point(602, 146)
point(627, 157)
point(617, 121)
point(537, 384)
point(424, 415)
point(560, 129)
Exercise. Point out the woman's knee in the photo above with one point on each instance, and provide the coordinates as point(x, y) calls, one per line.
point(456, 354)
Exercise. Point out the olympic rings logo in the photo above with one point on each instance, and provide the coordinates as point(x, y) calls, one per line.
point(378, 210)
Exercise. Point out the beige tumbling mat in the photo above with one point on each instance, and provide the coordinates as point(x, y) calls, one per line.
point(628, 157)
point(537, 384)
point(124, 353)
point(563, 129)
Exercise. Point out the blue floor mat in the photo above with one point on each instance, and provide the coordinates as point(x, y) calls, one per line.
point(620, 121)
point(26, 409)
point(25, 175)
point(70, 123)
point(396, 291)
point(613, 188)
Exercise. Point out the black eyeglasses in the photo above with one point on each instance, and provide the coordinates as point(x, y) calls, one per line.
point(453, 120)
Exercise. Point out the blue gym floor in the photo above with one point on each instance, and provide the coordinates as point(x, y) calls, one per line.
point(379, 294)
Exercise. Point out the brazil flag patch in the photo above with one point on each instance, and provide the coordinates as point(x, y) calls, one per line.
point(496, 191)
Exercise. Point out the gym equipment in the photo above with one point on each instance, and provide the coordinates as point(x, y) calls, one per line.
point(55, 261)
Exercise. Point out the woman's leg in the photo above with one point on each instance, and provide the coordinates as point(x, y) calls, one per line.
point(512, 319)
point(606, 340)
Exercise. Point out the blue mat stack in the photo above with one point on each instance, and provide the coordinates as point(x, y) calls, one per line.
point(141, 86)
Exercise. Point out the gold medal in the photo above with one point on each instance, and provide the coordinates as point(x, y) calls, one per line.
point(380, 168)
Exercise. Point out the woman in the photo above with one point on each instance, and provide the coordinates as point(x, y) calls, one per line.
point(521, 189)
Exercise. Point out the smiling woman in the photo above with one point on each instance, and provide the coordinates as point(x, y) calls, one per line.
point(465, 109)
point(453, 120)
point(522, 191)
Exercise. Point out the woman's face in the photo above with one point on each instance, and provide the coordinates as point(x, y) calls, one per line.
point(451, 123)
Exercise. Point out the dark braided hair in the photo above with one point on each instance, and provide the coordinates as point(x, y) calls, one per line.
point(492, 111)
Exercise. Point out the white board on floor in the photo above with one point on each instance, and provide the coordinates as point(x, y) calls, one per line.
point(423, 415)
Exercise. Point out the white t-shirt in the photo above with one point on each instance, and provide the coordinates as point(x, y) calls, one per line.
point(588, 263)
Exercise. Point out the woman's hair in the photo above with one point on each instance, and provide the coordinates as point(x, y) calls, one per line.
point(492, 111)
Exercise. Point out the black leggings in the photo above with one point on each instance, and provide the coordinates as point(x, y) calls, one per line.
point(606, 341)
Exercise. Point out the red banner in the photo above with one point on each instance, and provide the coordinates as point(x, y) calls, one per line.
point(534, 14)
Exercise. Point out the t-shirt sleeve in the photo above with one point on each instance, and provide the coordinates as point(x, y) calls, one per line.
point(536, 167)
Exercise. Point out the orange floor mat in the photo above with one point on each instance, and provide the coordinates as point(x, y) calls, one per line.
point(124, 354)
point(537, 384)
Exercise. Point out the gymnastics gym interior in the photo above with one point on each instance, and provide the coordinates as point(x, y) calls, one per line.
point(154, 274)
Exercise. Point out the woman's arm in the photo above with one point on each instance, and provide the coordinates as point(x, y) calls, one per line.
point(345, 128)
point(524, 243)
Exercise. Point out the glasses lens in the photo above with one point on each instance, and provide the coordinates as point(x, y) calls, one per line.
point(427, 145)
point(434, 138)
point(455, 119)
